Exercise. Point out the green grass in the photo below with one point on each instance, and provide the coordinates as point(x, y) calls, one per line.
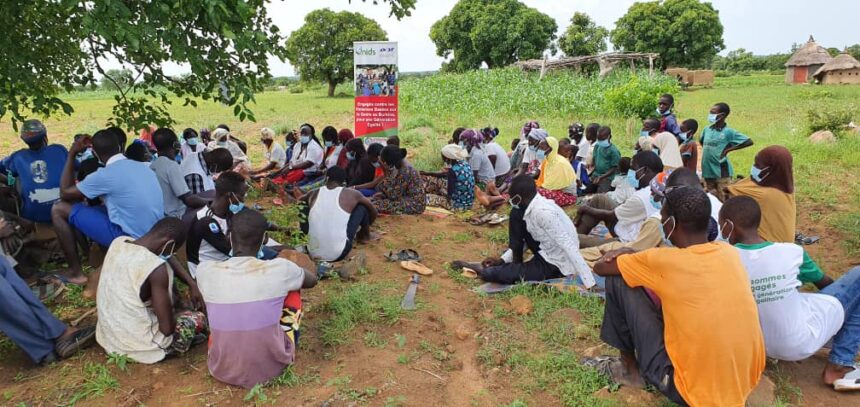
point(97, 381)
point(360, 303)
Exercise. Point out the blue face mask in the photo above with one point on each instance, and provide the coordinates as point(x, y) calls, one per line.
point(375, 165)
point(235, 208)
point(712, 118)
point(540, 155)
point(350, 155)
point(603, 143)
point(305, 139)
point(685, 136)
point(755, 173)
point(666, 113)
point(533, 149)
point(222, 143)
point(328, 144)
point(665, 236)
point(723, 237)
point(462, 145)
point(644, 133)
point(632, 178)
point(192, 141)
point(165, 253)
point(656, 204)
point(85, 155)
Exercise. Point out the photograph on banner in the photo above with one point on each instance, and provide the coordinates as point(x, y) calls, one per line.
point(375, 80)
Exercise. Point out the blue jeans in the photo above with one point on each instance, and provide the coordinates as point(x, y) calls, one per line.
point(846, 343)
point(23, 318)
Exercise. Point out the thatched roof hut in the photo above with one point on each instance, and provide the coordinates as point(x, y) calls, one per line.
point(806, 61)
point(842, 69)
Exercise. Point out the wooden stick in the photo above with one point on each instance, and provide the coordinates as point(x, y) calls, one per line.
point(428, 372)
point(81, 318)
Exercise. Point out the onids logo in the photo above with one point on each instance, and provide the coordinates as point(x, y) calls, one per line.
point(365, 51)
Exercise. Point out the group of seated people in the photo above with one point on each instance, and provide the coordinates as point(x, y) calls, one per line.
point(687, 258)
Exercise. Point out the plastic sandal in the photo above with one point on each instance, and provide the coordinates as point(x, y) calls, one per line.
point(403, 255)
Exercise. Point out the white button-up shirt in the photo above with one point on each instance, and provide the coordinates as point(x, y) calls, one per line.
point(559, 243)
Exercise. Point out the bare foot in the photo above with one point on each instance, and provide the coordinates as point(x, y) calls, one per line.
point(371, 237)
point(460, 264)
point(71, 277)
point(833, 372)
point(626, 372)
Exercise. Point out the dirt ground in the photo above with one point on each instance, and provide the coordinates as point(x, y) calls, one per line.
point(436, 355)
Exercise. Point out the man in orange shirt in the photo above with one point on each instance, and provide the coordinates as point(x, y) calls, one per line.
point(702, 345)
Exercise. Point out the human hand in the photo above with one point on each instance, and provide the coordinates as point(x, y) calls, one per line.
point(492, 262)
point(610, 256)
point(6, 229)
point(80, 145)
point(196, 298)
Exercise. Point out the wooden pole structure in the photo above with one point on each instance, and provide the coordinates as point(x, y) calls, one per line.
point(650, 66)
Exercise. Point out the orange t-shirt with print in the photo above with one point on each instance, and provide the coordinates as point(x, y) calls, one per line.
point(712, 331)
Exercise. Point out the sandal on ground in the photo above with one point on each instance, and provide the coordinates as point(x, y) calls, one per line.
point(469, 273)
point(403, 255)
point(49, 290)
point(416, 267)
point(611, 367)
point(480, 220)
point(497, 219)
point(849, 382)
point(460, 264)
point(79, 340)
point(57, 277)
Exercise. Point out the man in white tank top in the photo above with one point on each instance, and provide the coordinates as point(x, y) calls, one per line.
point(336, 218)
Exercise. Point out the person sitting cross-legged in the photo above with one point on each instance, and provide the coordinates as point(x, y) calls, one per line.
point(244, 301)
point(540, 225)
point(703, 345)
point(131, 193)
point(136, 313)
point(797, 324)
point(336, 218)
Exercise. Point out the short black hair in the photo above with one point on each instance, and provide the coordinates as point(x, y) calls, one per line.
point(524, 186)
point(456, 135)
point(605, 130)
point(393, 155)
point(393, 141)
point(229, 181)
point(136, 152)
point(164, 138)
point(690, 207)
point(221, 159)
point(648, 159)
point(356, 145)
point(683, 176)
point(744, 212)
point(336, 174)
point(624, 165)
point(723, 107)
point(329, 133)
point(668, 96)
point(651, 124)
point(564, 141)
point(189, 133)
point(374, 150)
point(121, 138)
point(592, 129)
point(171, 228)
point(105, 144)
point(248, 227)
point(692, 125)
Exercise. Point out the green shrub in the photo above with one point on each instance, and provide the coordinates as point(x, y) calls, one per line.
point(834, 120)
point(637, 96)
point(296, 89)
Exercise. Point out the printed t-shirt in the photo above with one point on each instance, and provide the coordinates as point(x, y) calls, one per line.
point(244, 298)
point(131, 194)
point(37, 176)
point(712, 331)
point(795, 325)
point(713, 143)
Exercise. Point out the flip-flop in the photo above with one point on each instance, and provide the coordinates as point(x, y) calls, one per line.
point(497, 219)
point(850, 382)
point(480, 220)
point(417, 267)
point(403, 255)
point(469, 273)
point(81, 339)
point(48, 291)
point(58, 277)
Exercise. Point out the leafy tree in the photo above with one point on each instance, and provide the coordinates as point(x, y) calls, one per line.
point(321, 50)
point(399, 8)
point(583, 37)
point(495, 32)
point(684, 32)
point(116, 79)
point(833, 51)
point(854, 51)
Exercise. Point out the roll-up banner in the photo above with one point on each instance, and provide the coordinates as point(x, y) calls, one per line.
point(376, 76)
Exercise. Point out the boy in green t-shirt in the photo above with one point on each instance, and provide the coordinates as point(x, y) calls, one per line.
point(718, 140)
point(606, 157)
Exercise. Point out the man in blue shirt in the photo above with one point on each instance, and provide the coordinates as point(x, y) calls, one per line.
point(36, 171)
point(130, 191)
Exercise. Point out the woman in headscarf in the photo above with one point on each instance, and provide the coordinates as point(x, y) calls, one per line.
point(306, 158)
point(485, 175)
point(370, 170)
point(221, 139)
point(453, 189)
point(335, 156)
point(518, 156)
point(191, 143)
point(771, 184)
point(557, 180)
point(401, 190)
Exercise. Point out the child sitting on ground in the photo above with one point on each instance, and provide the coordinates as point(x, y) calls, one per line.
point(622, 189)
point(571, 152)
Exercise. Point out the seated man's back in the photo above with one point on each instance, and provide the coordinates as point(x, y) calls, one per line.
point(244, 298)
point(127, 325)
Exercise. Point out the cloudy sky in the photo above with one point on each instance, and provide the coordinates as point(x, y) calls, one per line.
point(761, 26)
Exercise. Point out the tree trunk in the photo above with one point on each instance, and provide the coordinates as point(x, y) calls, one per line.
point(331, 86)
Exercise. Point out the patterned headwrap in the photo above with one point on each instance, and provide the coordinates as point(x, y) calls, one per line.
point(538, 134)
point(528, 128)
point(454, 152)
point(658, 183)
point(471, 137)
point(345, 135)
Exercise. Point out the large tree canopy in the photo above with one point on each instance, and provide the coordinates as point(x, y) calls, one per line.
point(583, 37)
point(54, 46)
point(321, 50)
point(685, 32)
point(495, 32)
